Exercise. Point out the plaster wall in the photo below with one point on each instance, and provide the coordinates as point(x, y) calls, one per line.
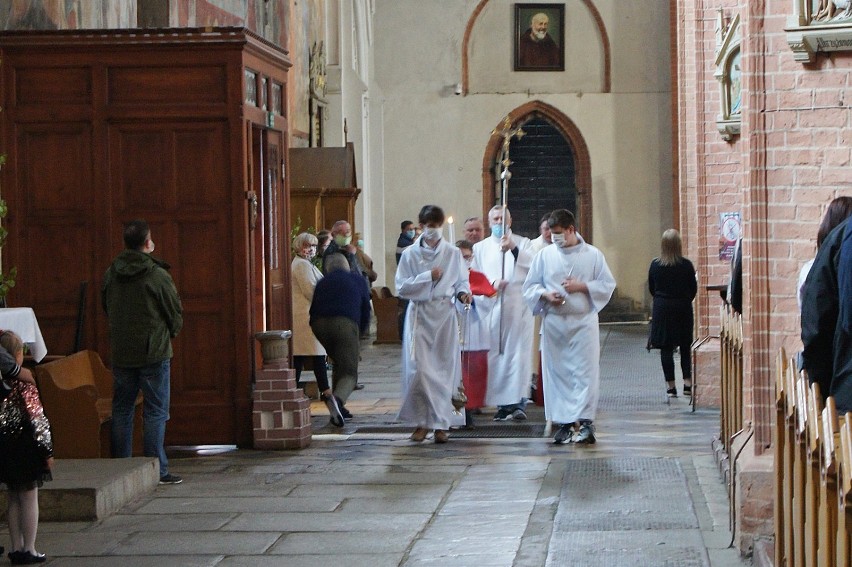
point(435, 140)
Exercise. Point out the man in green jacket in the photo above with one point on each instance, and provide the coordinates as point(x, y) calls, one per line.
point(145, 314)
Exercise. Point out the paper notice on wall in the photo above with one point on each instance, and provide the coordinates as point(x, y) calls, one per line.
point(730, 230)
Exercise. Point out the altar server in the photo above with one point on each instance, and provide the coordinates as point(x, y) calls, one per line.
point(431, 273)
point(568, 284)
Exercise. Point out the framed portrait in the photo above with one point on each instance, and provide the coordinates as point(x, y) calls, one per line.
point(539, 37)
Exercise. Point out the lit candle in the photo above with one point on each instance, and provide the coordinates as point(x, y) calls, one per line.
point(452, 230)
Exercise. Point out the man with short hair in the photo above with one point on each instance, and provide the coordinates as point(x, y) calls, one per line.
point(474, 230)
point(341, 243)
point(145, 314)
point(340, 314)
point(406, 238)
point(568, 284)
point(505, 258)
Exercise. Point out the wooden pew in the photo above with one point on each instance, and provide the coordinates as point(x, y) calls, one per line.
point(844, 492)
point(813, 434)
point(789, 463)
point(780, 443)
point(76, 392)
point(828, 483)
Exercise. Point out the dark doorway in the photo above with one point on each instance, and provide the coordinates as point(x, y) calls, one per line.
point(543, 176)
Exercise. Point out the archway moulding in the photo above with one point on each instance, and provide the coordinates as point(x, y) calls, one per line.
point(582, 160)
point(589, 4)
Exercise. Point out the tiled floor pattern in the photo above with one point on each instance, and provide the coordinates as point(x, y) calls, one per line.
point(647, 493)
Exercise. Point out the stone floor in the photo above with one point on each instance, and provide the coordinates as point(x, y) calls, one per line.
point(647, 494)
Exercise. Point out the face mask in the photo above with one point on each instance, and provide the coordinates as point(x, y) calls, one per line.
point(309, 252)
point(431, 233)
point(360, 244)
point(341, 240)
point(558, 239)
point(409, 233)
point(497, 231)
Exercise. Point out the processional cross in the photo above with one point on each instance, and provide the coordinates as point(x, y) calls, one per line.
point(507, 132)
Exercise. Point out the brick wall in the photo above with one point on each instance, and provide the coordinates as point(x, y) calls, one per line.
point(791, 159)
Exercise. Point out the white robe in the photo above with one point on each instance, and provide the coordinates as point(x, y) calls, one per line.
point(508, 373)
point(431, 355)
point(570, 337)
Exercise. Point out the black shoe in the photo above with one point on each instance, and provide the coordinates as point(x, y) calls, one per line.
point(687, 391)
point(333, 410)
point(672, 392)
point(26, 558)
point(502, 415)
point(563, 434)
point(170, 479)
point(586, 434)
point(359, 386)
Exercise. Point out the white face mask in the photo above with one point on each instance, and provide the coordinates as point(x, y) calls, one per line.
point(432, 233)
point(558, 239)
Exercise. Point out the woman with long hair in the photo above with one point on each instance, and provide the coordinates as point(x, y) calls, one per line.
point(671, 280)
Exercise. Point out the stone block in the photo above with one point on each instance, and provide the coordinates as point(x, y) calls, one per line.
point(707, 373)
point(93, 489)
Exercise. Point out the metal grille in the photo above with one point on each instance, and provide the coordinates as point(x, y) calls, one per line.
point(625, 511)
point(525, 430)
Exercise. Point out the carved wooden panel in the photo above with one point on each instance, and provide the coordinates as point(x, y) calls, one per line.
point(166, 85)
point(53, 217)
point(53, 85)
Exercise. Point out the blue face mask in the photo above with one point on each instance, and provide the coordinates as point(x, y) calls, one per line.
point(497, 231)
point(409, 233)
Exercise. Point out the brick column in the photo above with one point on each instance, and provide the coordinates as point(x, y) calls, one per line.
point(281, 415)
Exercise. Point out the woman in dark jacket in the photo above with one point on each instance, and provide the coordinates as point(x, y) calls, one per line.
point(671, 279)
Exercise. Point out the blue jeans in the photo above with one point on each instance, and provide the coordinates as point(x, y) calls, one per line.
point(154, 381)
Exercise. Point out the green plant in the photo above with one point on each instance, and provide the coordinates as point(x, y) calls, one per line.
point(7, 279)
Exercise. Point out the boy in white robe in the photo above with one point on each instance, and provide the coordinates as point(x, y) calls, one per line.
point(504, 258)
point(568, 284)
point(431, 273)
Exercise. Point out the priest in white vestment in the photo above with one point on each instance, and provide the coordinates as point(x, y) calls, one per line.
point(431, 274)
point(568, 284)
point(505, 260)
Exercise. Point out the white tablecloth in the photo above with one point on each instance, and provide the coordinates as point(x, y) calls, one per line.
point(22, 321)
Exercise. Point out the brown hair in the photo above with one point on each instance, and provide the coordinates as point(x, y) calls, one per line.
point(838, 210)
point(671, 248)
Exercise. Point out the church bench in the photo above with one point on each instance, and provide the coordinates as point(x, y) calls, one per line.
point(76, 392)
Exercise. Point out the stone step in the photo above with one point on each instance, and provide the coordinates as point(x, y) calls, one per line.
point(93, 489)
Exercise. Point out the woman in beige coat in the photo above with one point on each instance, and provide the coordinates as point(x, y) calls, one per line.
point(304, 278)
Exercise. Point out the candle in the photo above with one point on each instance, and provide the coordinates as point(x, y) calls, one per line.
point(452, 230)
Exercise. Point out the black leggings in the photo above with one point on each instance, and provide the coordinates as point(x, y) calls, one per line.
point(667, 358)
point(319, 370)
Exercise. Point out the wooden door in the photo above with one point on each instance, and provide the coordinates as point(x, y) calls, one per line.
point(270, 243)
point(175, 175)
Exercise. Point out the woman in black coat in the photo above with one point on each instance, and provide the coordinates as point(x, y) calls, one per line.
point(671, 279)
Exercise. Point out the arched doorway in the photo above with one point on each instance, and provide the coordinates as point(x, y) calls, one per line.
point(550, 169)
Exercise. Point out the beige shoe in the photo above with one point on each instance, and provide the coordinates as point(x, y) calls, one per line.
point(419, 434)
point(441, 436)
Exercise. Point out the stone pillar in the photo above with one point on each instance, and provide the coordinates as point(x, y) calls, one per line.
point(281, 414)
point(707, 373)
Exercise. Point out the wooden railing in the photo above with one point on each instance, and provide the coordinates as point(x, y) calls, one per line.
point(813, 474)
point(731, 341)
